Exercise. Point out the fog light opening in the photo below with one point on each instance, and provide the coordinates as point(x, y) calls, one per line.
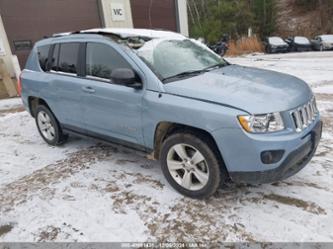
point(271, 156)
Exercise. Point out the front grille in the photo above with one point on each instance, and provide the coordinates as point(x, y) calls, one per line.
point(303, 116)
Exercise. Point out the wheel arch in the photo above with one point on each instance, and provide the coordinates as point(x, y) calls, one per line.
point(34, 102)
point(165, 129)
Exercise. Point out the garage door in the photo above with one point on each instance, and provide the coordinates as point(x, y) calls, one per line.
point(154, 14)
point(28, 21)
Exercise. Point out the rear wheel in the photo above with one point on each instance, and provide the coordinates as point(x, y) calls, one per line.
point(48, 126)
point(190, 165)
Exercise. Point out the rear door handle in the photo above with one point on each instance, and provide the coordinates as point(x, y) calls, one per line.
point(88, 89)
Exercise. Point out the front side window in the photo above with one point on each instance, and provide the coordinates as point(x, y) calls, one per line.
point(68, 58)
point(102, 59)
point(43, 55)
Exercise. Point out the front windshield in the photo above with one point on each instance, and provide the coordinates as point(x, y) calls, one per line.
point(170, 57)
point(276, 41)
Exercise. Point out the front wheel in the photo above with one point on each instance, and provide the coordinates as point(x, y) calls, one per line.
point(268, 50)
point(191, 165)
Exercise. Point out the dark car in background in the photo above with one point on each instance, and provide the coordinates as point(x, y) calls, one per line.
point(298, 44)
point(275, 44)
point(322, 42)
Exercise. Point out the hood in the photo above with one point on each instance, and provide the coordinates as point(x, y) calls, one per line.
point(253, 90)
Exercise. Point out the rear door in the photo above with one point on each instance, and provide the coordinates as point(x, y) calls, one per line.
point(65, 85)
point(111, 110)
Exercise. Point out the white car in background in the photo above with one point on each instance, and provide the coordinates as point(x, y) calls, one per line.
point(322, 42)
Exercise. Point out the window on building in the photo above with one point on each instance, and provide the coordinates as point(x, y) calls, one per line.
point(68, 57)
point(43, 55)
point(102, 59)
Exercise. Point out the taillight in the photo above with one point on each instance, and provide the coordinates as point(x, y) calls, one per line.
point(19, 85)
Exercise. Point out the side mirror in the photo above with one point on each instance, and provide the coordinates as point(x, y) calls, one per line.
point(125, 76)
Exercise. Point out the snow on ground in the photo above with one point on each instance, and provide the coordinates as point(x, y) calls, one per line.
point(89, 191)
point(6, 104)
point(315, 68)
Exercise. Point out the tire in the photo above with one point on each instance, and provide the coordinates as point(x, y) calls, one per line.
point(180, 172)
point(48, 126)
point(268, 50)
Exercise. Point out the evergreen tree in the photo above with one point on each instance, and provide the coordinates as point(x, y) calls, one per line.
point(211, 19)
point(264, 11)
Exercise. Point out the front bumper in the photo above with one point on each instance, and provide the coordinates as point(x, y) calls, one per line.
point(244, 163)
point(294, 162)
point(328, 46)
point(281, 49)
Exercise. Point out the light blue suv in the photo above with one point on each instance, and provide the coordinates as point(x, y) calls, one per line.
point(206, 120)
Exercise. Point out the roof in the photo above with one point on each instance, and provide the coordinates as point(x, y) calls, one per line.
point(126, 33)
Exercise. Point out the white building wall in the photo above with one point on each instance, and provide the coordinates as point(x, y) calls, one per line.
point(114, 21)
point(117, 13)
point(5, 51)
point(182, 17)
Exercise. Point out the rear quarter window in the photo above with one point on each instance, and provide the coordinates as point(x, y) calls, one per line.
point(43, 55)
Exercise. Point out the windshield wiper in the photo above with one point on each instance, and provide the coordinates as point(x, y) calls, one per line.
point(194, 72)
point(184, 74)
point(219, 65)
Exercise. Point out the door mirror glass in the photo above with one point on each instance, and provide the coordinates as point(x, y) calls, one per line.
point(125, 76)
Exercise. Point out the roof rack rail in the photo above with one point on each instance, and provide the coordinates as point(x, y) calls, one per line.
point(120, 33)
point(83, 32)
point(65, 33)
point(61, 34)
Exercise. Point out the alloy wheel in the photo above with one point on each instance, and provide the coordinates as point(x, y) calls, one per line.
point(45, 125)
point(187, 166)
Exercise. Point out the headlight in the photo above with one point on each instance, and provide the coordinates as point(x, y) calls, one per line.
point(262, 123)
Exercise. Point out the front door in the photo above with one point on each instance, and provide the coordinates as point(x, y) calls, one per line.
point(110, 110)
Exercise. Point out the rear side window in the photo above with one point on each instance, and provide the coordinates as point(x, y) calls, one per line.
point(102, 59)
point(43, 55)
point(68, 58)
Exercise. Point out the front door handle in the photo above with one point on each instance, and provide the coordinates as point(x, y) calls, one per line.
point(88, 89)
